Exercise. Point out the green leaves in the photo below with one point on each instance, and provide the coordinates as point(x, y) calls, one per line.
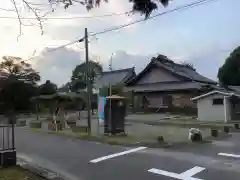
point(18, 84)
point(47, 88)
point(145, 7)
point(229, 73)
point(16, 68)
point(79, 75)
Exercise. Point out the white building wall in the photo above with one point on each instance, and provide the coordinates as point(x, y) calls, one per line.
point(209, 112)
point(228, 109)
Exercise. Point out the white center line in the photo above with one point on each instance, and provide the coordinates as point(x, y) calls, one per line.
point(229, 155)
point(117, 154)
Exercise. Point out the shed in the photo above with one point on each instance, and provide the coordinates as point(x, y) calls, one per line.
point(223, 106)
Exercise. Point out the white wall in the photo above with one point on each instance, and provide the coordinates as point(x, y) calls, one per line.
point(209, 112)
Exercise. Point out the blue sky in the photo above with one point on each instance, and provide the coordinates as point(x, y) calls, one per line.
point(213, 24)
point(203, 35)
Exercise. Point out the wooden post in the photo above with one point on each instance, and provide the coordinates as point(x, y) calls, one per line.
point(88, 82)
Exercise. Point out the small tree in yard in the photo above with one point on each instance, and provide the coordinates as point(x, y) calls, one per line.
point(47, 88)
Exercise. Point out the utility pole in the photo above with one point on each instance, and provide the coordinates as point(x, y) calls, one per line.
point(88, 83)
point(110, 99)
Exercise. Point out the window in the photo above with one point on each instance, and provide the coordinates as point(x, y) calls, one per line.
point(218, 101)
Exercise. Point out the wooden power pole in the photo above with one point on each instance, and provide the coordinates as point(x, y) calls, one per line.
point(88, 83)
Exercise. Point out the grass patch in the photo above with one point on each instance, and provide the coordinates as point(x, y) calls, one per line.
point(113, 140)
point(17, 173)
point(191, 123)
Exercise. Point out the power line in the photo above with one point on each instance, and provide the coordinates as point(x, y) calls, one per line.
point(74, 17)
point(191, 5)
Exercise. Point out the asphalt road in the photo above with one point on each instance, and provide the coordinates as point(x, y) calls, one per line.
point(71, 158)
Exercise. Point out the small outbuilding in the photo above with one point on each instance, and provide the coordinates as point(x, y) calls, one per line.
point(218, 105)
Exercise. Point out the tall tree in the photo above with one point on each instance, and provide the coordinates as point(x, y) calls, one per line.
point(47, 88)
point(229, 72)
point(18, 83)
point(79, 75)
point(15, 68)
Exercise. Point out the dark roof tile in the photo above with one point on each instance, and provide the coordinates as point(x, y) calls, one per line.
point(184, 71)
point(114, 77)
point(176, 69)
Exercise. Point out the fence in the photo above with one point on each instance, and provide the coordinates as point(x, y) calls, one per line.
point(6, 138)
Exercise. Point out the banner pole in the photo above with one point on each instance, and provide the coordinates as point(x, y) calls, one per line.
point(98, 124)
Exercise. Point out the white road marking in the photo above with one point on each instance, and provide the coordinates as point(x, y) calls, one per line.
point(229, 155)
point(117, 154)
point(193, 171)
point(187, 175)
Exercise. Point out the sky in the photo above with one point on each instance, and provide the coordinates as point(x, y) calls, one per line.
point(203, 35)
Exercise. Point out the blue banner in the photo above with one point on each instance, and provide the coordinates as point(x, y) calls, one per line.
point(101, 104)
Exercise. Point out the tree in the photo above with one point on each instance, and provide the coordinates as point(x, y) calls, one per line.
point(18, 83)
point(144, 7)
point(47, 88)
point(78, 79)
point(16, 96)
point(15, 68)
point(229, 72)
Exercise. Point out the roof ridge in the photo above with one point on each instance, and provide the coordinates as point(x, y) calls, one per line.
point(119, 70)
point(181, 70)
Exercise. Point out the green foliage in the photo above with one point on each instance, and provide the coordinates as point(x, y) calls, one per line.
point(18, 84)
point(78, 79)
point(229, 73)
point(15, 95)
point(145, 7)
point(47, 88)
point(15, 68)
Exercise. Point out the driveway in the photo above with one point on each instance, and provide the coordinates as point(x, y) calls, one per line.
point(83, 160)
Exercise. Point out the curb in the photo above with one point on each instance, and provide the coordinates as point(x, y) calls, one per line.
point(39, 171)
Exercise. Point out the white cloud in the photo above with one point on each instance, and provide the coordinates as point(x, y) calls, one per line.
point(57, 66)
point(56, 30)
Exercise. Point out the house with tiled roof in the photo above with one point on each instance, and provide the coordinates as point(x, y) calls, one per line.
point(114, 77)
point(164, 83)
